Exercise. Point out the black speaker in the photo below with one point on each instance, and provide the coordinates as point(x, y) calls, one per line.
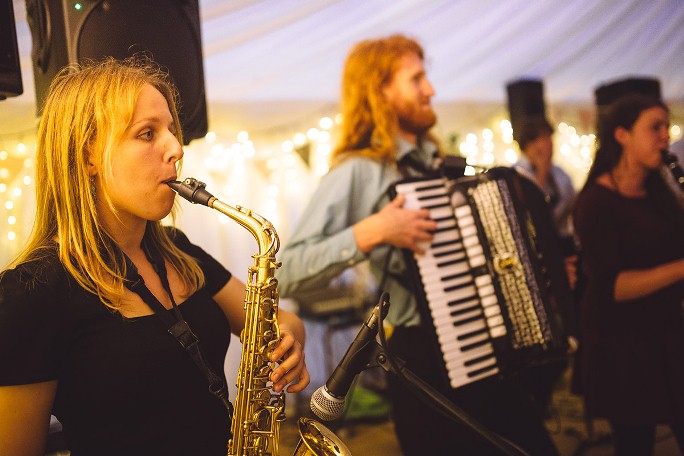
point(525, 99)
point(69, 31)
point(10, 71)
point(607, 93)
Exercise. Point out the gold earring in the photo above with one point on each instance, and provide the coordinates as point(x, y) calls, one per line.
point(93, 190)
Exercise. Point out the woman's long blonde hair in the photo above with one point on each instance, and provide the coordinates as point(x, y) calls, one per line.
point(85, 116)
point(369, 123)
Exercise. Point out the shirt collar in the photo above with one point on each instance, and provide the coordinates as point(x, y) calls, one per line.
point(525, 163)
point(426, 152)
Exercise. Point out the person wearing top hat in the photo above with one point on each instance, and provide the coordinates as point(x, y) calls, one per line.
point(536, 144)
point(630, 365)
point(534, 135)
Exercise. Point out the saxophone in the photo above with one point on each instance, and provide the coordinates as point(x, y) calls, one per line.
point(258, 410)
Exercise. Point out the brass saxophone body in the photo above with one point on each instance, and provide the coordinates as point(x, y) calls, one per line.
point(258, 409)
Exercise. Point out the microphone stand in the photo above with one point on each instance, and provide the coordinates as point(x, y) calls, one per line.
point(393, 365)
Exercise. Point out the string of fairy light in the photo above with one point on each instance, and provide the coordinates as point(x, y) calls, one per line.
point(282, 165)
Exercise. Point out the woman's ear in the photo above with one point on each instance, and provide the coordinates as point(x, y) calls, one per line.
point(621, 135)
point(92, 168)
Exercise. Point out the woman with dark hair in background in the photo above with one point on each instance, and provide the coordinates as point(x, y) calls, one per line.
point(630, 225)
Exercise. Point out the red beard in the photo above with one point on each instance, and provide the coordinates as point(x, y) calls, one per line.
point(414, 119)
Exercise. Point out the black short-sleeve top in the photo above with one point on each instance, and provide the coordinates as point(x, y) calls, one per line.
point(125, 385)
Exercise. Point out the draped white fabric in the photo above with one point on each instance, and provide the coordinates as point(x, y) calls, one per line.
point(294, 49)
point(261, 54)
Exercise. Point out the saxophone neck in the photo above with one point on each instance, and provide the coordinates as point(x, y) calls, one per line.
point(259, 227)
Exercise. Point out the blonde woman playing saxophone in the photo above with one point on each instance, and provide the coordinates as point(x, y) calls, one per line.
point(75, 340)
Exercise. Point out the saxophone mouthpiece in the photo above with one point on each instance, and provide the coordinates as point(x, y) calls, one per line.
point(192, 190)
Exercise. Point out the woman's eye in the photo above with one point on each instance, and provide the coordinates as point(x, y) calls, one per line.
point(147, 134)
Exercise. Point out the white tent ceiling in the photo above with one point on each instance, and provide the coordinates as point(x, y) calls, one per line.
point(271, 63)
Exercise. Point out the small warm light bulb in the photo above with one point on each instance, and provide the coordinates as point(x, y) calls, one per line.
point(287, 146)
point(323, 136)
point(299, 139)
point(510, 155)
point(242, 136)
point(487, 134)
point(312, 134)
point(565, 149)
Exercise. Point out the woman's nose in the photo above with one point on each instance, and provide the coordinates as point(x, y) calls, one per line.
point(175, 150)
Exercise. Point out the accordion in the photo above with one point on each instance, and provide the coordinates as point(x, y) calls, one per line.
point(492, 281)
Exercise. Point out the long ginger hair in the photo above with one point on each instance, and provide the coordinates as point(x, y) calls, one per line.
point(369, 122)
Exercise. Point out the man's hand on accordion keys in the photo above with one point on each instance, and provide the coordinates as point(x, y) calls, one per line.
point(394, 225)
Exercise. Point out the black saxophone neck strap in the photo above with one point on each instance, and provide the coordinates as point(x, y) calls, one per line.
point(176, 324)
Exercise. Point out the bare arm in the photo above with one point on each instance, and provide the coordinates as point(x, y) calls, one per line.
point(290, 350)
point(636, 284)
point(25, 418)
point(394, 225)
point(231, 299)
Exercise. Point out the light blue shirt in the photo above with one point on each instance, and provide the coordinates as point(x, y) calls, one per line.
point(566, 193)
point(323, 245)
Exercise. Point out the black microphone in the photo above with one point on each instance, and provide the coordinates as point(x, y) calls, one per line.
point(670, 161)
point(327, 402)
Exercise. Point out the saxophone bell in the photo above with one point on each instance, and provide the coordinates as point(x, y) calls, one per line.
point(318, 440)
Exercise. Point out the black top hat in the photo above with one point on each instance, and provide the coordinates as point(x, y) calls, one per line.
point(607, 93)
point(525, 100)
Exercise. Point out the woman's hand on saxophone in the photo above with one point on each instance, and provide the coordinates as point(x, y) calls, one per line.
point(290, 350)
point(290, 354)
